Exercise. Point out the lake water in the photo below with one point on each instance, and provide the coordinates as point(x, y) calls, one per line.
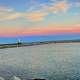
point(60, 61)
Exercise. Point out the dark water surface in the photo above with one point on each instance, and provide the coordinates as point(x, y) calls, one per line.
point(60, 61)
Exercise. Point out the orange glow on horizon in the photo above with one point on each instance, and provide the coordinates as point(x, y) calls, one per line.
point(42, 31)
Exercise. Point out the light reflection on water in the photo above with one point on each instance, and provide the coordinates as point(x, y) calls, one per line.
point(60, 61)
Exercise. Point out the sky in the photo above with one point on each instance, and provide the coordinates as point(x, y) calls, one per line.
point(39, 20)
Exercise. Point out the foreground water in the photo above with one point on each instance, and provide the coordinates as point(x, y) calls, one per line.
point(60, 61)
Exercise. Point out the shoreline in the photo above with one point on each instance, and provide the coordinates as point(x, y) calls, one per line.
point(20, 44)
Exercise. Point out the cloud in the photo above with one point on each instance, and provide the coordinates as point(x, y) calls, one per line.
point(4, 9)
point(5, 12)
point(36, 16)
point(59, 6)
point(76, 4)
point(9, 14)
point(38, 11)
point(13, 16)
point(55, 6)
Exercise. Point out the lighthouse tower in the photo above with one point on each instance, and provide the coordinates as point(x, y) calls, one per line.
point(19, 42)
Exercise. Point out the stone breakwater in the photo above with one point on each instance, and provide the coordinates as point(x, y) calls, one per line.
point(22, 44)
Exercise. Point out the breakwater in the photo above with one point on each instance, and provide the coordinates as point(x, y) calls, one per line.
point(22, 44)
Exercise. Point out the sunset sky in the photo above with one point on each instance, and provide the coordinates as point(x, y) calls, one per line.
point(39, 20)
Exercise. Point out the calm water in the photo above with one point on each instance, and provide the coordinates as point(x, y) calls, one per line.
point(60, 61)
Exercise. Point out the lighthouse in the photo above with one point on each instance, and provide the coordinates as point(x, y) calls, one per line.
point(19, 42)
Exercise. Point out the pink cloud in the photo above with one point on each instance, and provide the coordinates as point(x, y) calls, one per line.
point(59, 6)
point(36, 16)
